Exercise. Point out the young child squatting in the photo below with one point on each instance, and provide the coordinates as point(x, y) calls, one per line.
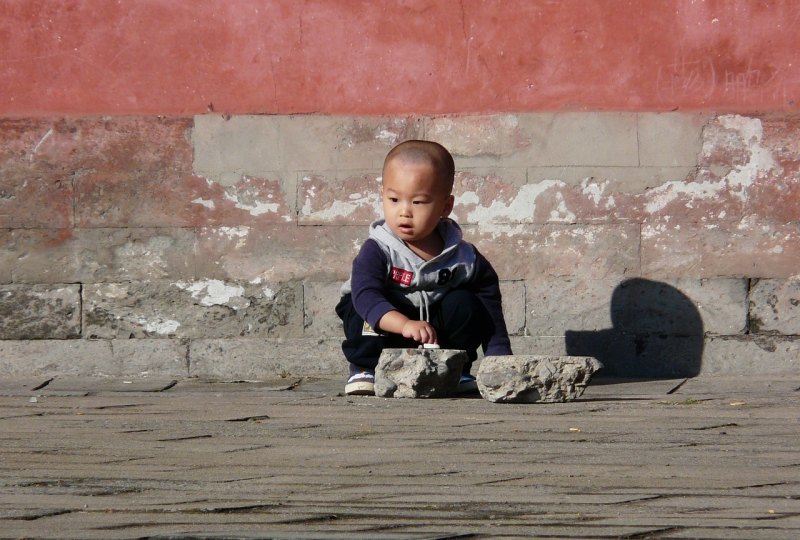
point(415, 280)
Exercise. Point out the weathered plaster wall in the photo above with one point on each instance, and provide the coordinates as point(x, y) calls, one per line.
point(149, 224)
point(182, 57)
point(211, 246)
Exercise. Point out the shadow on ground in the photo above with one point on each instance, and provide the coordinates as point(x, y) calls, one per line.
point(657, 332)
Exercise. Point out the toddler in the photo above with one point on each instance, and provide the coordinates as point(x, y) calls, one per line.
point(415, 280)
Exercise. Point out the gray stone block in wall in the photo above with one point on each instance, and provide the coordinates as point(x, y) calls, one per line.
point(530, 379)
point(538, 139)
point(319, 315)
point(763, 355)
point(98, 255)
point(192, 309)
point(670, 139)
point(775, 306)
point(40, 311)
point(225, 149)
point(418, 373)
point(259, 359)
point(54, 357)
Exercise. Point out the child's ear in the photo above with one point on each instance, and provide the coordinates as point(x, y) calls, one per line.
point(451, 200)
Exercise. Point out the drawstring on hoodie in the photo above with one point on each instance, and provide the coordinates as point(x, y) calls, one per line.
point(424, 307)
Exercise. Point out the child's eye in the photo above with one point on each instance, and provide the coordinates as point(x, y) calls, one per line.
point(393, 199)
point(419, 202)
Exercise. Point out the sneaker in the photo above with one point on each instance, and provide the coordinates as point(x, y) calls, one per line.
point(360, 384)
point(467, 384)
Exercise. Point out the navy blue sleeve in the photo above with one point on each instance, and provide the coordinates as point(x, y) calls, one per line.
point(368, 283)
point(486, 285)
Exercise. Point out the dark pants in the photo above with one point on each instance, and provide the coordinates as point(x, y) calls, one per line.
point(460, 319)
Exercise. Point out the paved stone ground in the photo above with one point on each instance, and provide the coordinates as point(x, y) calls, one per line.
point(703, 458)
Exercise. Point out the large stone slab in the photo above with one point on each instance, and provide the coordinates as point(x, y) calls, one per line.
point(208, 308)
point(418, 373)
point(531, 378)
point(40, 311)
point(775, 306)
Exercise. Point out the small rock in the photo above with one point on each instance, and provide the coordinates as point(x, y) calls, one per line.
point(418, 373)
point(530, 379)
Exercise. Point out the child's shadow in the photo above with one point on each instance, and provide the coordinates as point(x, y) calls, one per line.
point(657, 333)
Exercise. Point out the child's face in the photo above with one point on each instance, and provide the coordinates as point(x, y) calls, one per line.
point(413, 200)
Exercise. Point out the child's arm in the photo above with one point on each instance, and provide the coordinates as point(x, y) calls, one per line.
point(486, 285)
point(370, 301)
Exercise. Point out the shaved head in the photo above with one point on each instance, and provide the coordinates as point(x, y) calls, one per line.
point(435, 155)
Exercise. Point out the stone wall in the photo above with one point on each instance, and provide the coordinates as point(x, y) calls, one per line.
point(214, 246)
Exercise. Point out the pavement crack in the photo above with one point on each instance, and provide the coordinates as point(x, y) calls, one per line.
point(169, 385)
point(42, 385)
point(655, 533)
point(715, 426)
point(187, 438)
point(40, 515)
point(677, 387)
point(254, 418)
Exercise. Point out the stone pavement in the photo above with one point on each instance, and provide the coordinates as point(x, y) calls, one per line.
point(100, 458)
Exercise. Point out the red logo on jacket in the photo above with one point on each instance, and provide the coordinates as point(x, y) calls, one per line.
point(401, 276)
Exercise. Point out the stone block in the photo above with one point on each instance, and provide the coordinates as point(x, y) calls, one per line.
point(558, 304)
point(35, 196)
point(278, 253)
point(746, 249)
point(578, 195)
point(680, 306)
point(670, 139)
point(540, 345)
point(767, 355)
point(152, 357)
point(34, 191)
point(514, 298)
point(538, 139)
point(339, 198)
point(259, 358)
point(637, 356)
point(131, 199)
point(98, 255)
point(228, 148)
point(324, 143)
point(419, 373)
point(72, 357)
point(40, 311)
point(536, 251)
point(778, 197)
point(775, 306)
point(319, 302)
point(192, 309)
point(531, 379)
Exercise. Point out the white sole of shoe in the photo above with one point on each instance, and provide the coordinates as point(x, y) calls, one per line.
point(360, 388)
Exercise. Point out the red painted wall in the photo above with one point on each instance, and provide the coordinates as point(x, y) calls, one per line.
point(393, 57)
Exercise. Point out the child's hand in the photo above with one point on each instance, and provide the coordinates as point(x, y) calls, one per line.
point(420, 331)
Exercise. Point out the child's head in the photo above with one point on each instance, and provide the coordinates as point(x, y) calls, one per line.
point(417, 185)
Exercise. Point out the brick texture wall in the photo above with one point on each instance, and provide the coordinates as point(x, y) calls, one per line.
point(214, 245)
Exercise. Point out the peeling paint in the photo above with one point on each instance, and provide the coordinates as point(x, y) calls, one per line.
point(204, 202)
point(269, 294)
point(521, 209)
point(257, 208)
point(162, 327)
point(214, 292)
point(736, 181)
point(340, 208)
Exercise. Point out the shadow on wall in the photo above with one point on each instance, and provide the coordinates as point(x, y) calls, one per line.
point(657, 333)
